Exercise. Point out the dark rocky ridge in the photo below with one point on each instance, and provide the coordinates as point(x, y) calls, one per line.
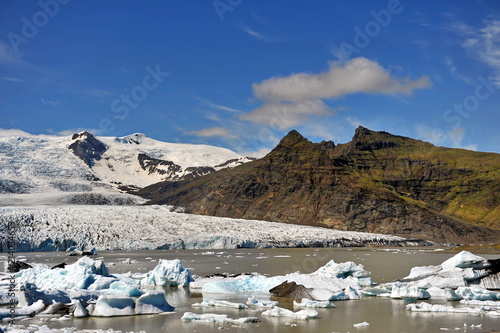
point(87, 147)
point(378, 182)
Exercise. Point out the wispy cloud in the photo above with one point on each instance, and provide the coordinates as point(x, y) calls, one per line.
point(7, 55)
point(12, 79)
point(218, 106)
point(212, 132)
point(71, 131)
point(450, 64)
point(256, 34)
point(482, 43)
point(453, 138)
point(284, 115)
point(53, 103)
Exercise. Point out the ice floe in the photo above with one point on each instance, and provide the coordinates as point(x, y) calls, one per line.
point(252, 301)
point(307, 303)
point(363, 324)
point(282, 312)
point(216, 303)
point(216, 318)
point(427, 307)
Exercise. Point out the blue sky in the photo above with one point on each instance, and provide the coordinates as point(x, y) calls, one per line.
point(241, 74)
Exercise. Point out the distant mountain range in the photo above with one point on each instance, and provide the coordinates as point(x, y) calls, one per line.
point(85, 163)
point(378, 182)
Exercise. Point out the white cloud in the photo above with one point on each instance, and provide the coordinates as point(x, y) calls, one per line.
point(452, 138)
point(484, 44)
point(212, 132)
point(359, 75)
point(284, 115)
point(291, 100)
point(13, 132)
point(258, 153)
point(71, 131)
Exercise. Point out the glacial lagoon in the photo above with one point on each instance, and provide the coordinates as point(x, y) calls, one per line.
point(382, 314)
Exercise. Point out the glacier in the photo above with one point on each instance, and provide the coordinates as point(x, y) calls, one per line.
point(83, 227)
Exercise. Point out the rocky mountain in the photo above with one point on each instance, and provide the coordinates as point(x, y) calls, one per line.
point(86, 163)
point(378, 182)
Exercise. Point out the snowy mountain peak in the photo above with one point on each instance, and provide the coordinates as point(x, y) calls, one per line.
point(136, 138)
point(87, 163)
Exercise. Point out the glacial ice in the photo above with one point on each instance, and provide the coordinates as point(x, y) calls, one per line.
point(363, 324)
point(168, 273)
point(54, 228)
point(88, 281)
point(330, 282)
point(307, 303)
point(216, 318)
point(407, 291)
point(252, 301)
point(427, 307)
point(454, 279)
point(217, 303)
point(281, 312)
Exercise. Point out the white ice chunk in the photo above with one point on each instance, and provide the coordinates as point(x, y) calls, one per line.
point(281, 312)
point(427, 307)
point(363, 324)
point(114, 305)
point(152, 302)
point(216, 303)
point(80, 311)
point(408, 291)
point(465, 259)
point(216, 318)
point(252, 301)
point(84, 274)
point(307, 303)
point(168, 273)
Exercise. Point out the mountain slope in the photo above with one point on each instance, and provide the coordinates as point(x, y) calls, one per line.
point(378, 182)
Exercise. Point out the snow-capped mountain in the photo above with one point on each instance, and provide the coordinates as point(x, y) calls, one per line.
point(85, 163)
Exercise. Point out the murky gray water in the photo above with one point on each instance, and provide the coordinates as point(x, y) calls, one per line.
point(383, 315)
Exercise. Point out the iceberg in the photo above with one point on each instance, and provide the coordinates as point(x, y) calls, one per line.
point(427, 307)
point(252, 301)
point(114, 305)
point(66, 289)
point(307, 303)
point(363, 324)
point(330, 282)
point(281, 312)
point(407, 291)
point(224, 304)
point(216, 318)
point(168, 273)
point(152, 302)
